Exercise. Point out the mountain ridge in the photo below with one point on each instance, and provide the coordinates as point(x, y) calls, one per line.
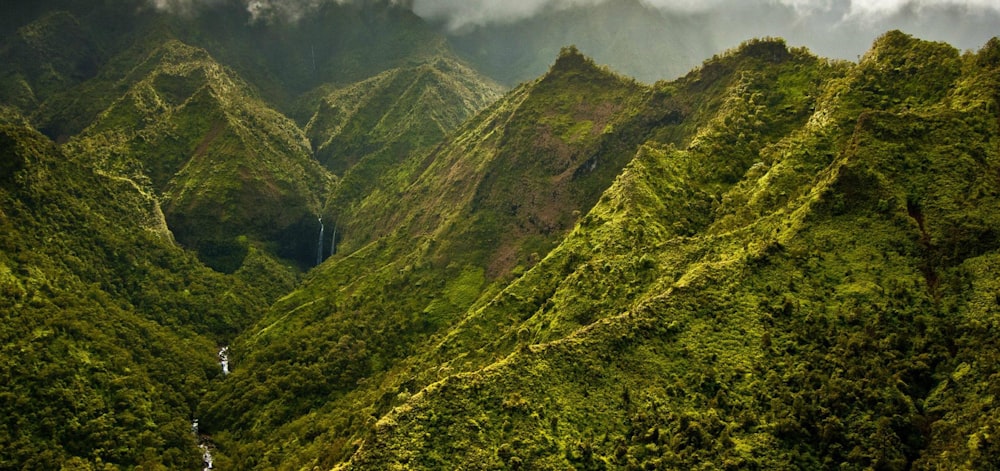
point(572, 393)
point(180, 124)
point(773, 261)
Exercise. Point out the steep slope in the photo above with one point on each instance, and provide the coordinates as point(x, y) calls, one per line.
point(522, 173)
point(164, 144)
point(828, 308)
point(384, 35)
point(414, 255)
point(231, 171)
point(774, 262)
point(110, 331)
point(363, 131)
point(395, 112)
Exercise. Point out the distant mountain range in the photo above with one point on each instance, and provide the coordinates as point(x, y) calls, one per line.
point(775, 261)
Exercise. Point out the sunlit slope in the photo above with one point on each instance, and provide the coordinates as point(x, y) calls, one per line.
point(473, 215)
point(424, 245)
point(829, 307)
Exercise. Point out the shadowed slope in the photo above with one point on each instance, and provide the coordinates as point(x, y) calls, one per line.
point(231, 171)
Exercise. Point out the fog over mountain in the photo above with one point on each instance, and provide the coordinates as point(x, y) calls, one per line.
point(832, 28)
point(656, 39)
point(462, 13)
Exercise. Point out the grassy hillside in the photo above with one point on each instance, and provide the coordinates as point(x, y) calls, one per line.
point(775, 261)
point(232, 172)
point(416, 253)
point(396, 112)
point(364, 132)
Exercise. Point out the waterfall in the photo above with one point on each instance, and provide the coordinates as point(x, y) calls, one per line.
point(224, 360)
point(319, 246)
point(207, 461)
point(206, 457)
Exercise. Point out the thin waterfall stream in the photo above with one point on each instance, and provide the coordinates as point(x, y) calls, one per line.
point(319, 245)
point(204, 441)
point(207, 461)
point(224, 359)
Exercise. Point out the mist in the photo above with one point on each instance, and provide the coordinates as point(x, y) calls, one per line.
point(662, 39)
point(288, 11)
point(516, 40)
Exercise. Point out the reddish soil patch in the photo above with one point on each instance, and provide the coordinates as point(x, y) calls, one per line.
point(210, 137)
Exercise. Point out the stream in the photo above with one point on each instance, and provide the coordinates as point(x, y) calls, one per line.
point(204, 442)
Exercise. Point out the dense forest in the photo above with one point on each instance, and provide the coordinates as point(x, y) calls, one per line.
point(335, 244)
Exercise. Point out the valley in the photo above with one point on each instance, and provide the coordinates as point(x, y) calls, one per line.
point(337, 243)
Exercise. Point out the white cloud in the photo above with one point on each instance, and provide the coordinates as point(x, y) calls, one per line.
point(259, 10)
point(877, 9)
point(463, 13)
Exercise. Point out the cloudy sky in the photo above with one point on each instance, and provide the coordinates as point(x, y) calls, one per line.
point(460, 13)
point(673, 35)
point(836, 28)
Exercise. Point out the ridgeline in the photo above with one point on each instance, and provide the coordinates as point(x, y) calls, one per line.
point(776, 261)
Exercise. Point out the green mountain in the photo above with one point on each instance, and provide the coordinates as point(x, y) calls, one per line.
point(786, 267)
point(364, 131)
point(230, 170)
point(112, 328)
point(776, 261)
point(395, 112)
point(785, 289)
point(437, 232)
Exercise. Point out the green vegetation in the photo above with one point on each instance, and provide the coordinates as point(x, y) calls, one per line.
point(773, 262)
point(813, 314)
point(109, 330)
point(231, 172)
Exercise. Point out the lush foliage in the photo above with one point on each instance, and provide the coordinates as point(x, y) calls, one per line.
point(109, 330)
point(824, 309)
point(773, 262)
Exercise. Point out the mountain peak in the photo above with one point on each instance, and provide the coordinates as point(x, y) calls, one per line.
point(571, 59)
